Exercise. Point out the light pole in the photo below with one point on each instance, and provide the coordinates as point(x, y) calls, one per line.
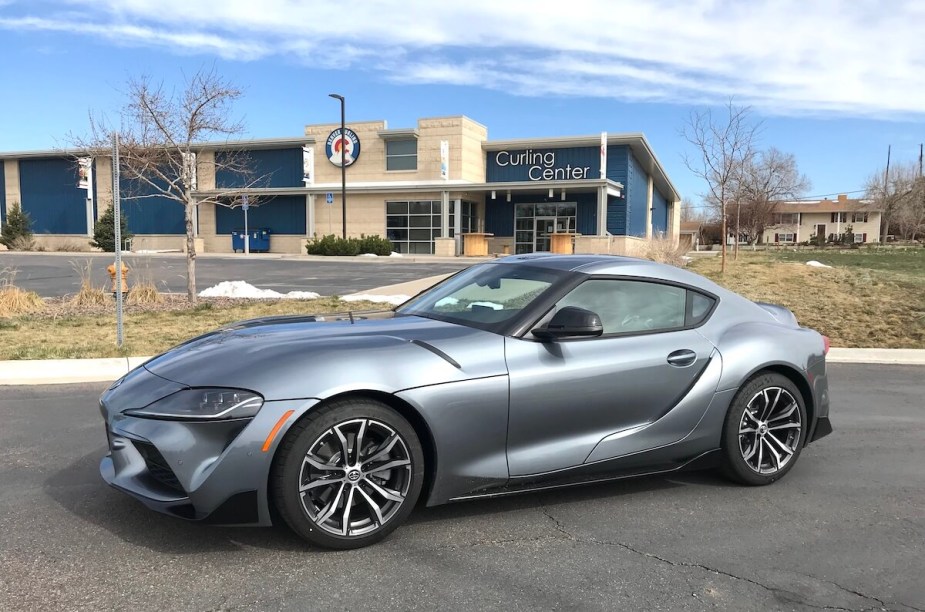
point(343, 164)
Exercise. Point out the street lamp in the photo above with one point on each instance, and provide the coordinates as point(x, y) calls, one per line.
point(343, 164)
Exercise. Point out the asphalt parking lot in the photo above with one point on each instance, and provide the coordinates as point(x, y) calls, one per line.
point(54, 275)
point(844, 530)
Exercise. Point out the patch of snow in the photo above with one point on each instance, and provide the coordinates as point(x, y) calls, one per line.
point(816, 264)
point(241, 289)
point(367, 255)
point(492, 305)
point(394, 254)
point(447, 301)
point(395, 300)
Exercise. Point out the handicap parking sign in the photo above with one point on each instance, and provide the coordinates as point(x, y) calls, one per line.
point(329, 198)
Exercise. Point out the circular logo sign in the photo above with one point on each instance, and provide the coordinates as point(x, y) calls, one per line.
point(342, 149)
point(353, 475)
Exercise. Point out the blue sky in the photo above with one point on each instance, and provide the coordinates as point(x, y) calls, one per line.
point(832, 82)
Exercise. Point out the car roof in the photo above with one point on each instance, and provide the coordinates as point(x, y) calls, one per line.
point(616, 265)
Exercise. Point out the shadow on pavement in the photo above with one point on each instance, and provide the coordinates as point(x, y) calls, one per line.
point(79, 489)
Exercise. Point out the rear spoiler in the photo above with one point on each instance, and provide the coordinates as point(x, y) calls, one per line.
point(781, 314)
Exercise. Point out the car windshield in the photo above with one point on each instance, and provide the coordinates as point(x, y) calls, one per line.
point(486, 296)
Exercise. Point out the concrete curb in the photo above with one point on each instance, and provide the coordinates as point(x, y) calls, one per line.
point(877, 355)
point(61, 371)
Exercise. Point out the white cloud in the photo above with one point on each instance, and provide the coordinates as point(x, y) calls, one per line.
point(861, 57)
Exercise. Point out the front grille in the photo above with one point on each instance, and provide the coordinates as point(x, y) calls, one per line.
point(157, 466)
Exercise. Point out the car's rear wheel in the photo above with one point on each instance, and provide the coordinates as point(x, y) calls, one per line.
point(348, 474)
point(764, 430)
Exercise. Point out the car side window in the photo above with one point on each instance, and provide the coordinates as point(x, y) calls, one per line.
point(628, 306)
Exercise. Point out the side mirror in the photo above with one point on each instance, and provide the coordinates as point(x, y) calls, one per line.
point(571, 322)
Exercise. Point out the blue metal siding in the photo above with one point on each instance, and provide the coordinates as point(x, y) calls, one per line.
point(277, 167)
point(616, 216)
point(49, 193)
point(586, 222)
point(282, 214)
point(567, 158)
point(660, 214)
point(150, 215)
point(499, 217)
point(618, 170)
point(2, 195)
point(618, 163)
point(637, 187)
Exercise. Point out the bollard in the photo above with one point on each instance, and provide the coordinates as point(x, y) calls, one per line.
point(111, 268)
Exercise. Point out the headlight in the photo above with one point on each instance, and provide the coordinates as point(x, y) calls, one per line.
point(203, 405)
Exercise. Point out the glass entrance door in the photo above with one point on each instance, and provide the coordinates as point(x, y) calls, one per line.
point(543, 227)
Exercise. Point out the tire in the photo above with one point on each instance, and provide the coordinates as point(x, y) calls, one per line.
point(765, 430)
point(381, 480)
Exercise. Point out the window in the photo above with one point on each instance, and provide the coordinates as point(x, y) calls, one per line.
point(467, 221)
point(627, 306)
point(859, 217)
point(401, 154)
point(786, 218)
point(412, 226)
point(785, 237)
point(485, 296)
point(860, 238)
point(839, 217)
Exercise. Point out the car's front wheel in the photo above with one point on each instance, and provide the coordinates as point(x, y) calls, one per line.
point(348, 474)
point(764, 430)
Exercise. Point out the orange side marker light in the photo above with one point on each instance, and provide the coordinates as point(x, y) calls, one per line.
point(279, 424)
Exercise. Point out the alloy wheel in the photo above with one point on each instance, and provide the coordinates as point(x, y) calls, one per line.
point(769, 431)
point(355, 477)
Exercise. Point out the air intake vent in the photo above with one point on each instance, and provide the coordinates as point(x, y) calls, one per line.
point(157, 466)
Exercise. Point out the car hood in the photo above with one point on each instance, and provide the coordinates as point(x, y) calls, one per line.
point(301, 357)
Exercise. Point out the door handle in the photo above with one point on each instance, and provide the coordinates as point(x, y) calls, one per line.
point(682, 358)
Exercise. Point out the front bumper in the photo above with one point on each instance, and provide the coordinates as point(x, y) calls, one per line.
point(211, 471)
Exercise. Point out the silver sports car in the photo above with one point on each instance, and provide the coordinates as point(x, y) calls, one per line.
point(529, 372)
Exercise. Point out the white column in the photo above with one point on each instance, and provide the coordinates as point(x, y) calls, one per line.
point(445, 214)
point(457, 225)
point(195, 217)
point(91, 221)
point(310, 215)
point(649, 201)
point(602, 211)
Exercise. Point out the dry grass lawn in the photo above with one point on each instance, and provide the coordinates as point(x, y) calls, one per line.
point(869, 299)
point(147, 332)
point(864, 301)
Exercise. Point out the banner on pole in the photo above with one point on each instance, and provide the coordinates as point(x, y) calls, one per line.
point(603, 155)
point(308, 165)
point(189, 168)
point(444, 159)
point(84, 168)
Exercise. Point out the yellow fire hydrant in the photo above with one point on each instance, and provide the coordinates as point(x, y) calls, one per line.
point(112, 277)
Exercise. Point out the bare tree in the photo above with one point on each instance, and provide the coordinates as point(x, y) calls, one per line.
point(893, 191)
point(725, 145)
point(161, 133)
point(909, 217)
point(765, 180)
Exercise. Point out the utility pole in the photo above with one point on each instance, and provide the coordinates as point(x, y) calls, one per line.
point(885, 221)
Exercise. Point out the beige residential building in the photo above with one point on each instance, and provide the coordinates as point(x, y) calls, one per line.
point(804, 220)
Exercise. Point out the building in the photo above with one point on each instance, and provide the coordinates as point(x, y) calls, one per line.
point(689, 238)
point(441, 187)
point(805, 220)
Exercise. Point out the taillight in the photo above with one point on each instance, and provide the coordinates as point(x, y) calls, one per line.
point(826, 344)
